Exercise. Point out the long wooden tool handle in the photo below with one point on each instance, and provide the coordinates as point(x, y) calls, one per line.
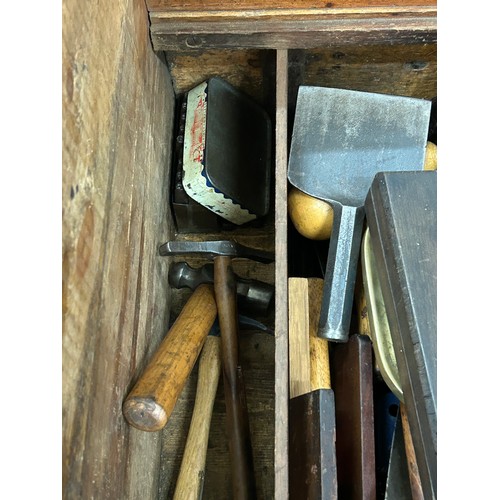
point(152, 400)
point(415, 482)
point(318, 348)
point(191, 476)
point(309, 359)
point(238, 428)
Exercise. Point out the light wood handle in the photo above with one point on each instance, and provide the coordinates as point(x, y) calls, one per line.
point(192, 473)
point(308, 354)
point(152, 400)
point(318, 348)
point(298, 337)
point(415, 482)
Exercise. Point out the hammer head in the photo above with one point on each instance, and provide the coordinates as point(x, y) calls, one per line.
point(225, 248)
point(255, 297)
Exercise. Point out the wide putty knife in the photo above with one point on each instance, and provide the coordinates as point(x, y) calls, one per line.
point(341, 139)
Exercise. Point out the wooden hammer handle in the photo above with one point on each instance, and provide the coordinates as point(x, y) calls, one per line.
point(238, 428)
point(191, 476)
point(152, 400)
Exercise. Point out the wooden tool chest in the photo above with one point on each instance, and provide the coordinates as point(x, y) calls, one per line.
point(123, 67)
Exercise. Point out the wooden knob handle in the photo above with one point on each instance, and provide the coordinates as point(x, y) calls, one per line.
point(430, 156)
point(190, 480)
point(152, 400)
point(313, 218)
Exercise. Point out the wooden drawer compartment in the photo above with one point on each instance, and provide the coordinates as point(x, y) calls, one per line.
point(119, 93)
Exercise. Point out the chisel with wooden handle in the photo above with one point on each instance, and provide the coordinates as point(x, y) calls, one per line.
point(153, 398)
point(313, 468)
point(192, 473)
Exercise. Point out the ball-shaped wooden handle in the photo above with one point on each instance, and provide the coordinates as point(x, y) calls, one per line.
point(431, 161)
point(313, 218)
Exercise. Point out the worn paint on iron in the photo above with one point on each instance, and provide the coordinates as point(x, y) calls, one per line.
point(194, 179)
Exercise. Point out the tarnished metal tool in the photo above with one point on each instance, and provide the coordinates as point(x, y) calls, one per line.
point(253, 296)
point(401, 212)
point(341, 139)
point(217, 248)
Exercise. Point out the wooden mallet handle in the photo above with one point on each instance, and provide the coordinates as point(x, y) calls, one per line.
point(153, 398)
point(237, 421)
point(191, 476)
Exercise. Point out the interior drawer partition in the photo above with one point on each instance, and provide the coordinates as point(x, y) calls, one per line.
point(281, 280)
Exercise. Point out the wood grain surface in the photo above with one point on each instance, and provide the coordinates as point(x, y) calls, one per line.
point(187, 7)
point(116, 129)
point(289, 25)
point(352, 382)
point(318, 348)
point(413, 473)
point(189, 484)
point(281, 282)
point(309, 367)
point(298, 337)
point(250, 70)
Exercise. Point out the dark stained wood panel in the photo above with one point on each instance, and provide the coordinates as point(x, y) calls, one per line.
point(368, 28)
point(116, 130)
point(387, 69)
point(266, 5)
point(247, 70)
point(182, 25)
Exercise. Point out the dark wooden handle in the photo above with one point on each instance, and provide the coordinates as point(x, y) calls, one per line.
point(238, 428)
point(152, 400)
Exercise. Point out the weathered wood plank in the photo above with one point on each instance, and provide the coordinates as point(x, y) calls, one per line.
point(117, 117)
point(180, 34)
point(236, 7)
point(244, 69)
point(388, 69)
point(281, 280)
point(184, 25)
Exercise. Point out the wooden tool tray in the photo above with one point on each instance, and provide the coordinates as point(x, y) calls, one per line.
point(122, 70)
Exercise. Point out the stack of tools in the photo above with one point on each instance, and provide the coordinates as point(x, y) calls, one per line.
point(221, 181)
point(349, 154)
point(341, 139)
point(153, 398)
point(222, 166)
